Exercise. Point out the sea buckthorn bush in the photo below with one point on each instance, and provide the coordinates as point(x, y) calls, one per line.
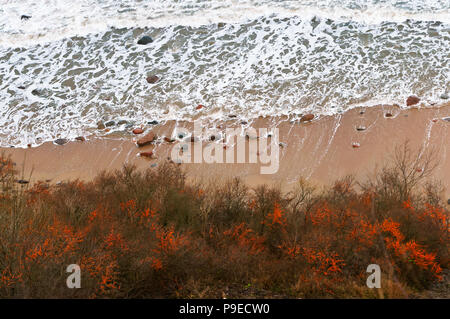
point(150, 234)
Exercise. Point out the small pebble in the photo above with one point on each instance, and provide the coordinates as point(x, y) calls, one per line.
point(61, 141)
point(152, 79)
point(146, 154)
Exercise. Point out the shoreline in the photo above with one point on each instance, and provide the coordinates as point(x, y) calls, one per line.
point(321, 151)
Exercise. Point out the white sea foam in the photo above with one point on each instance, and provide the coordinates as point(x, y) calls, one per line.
point(56, 19)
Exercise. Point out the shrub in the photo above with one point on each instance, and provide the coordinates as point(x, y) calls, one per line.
point(149, 234)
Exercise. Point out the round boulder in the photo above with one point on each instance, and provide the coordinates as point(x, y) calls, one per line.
point(412, 100)
point(145, 40)
point(307, 118)
point(152, 79)
point(61, 141)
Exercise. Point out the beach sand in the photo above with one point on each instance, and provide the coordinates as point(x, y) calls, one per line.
point(320, 151)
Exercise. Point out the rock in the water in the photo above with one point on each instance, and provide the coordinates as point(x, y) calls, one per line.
point(146, 154)
point(121, 122)
point(215, 137)
point(147, 139)
point(80, 138)
point(152, 79)
point(412, 100)
point(100, 125)
point(61, 141)
point(220, 24)
point(110, 123)
point(145, 40)
point(307, 118)
point(445, 96)
point(25, 17)
point(36, 92)
point(138, 131)
point(252, 135)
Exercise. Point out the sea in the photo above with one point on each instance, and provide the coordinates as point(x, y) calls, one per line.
point(67, 65)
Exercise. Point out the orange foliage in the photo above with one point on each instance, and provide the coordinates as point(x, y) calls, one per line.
point(275, 217)
point(246, 238)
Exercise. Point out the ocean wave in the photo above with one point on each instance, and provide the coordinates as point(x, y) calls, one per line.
point(52, 20)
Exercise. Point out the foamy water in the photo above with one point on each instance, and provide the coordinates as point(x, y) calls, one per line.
point(75, 63)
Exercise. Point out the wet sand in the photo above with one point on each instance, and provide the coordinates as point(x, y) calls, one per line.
point(320, 151)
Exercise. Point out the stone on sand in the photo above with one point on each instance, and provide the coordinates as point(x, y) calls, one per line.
point(307, 118)
point(61, 141)
point(147, 139)
point(146, 154)
point(412, 100)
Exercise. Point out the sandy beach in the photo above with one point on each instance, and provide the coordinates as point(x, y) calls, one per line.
point(354, 143)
